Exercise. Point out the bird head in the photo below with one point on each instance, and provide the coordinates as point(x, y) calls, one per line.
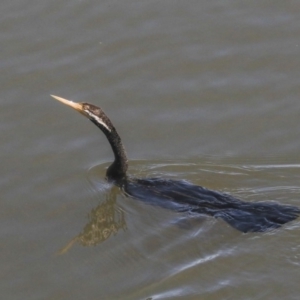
point(92, 112)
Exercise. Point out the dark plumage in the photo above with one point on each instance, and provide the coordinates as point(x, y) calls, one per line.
point(182, 196)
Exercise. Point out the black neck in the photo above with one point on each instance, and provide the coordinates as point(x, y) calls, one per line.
point(117, 170)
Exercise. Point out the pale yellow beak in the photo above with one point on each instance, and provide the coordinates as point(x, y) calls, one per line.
point(76, 106)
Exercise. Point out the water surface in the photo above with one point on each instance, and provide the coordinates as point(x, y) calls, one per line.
point(202, 91)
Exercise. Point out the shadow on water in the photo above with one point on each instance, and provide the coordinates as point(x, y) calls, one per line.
point(105, 220)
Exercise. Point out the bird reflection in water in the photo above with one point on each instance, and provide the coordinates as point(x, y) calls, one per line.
point(104, 221)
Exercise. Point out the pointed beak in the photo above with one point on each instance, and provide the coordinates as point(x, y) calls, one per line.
point(76, 106)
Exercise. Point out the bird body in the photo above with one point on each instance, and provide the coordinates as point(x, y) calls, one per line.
point(180, 195)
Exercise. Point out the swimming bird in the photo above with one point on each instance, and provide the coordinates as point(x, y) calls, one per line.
point(180, 195)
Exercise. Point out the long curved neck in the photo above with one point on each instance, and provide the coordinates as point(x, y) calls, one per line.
point(117, 170)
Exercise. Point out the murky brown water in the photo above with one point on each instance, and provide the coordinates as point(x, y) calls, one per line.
point(202, 91)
